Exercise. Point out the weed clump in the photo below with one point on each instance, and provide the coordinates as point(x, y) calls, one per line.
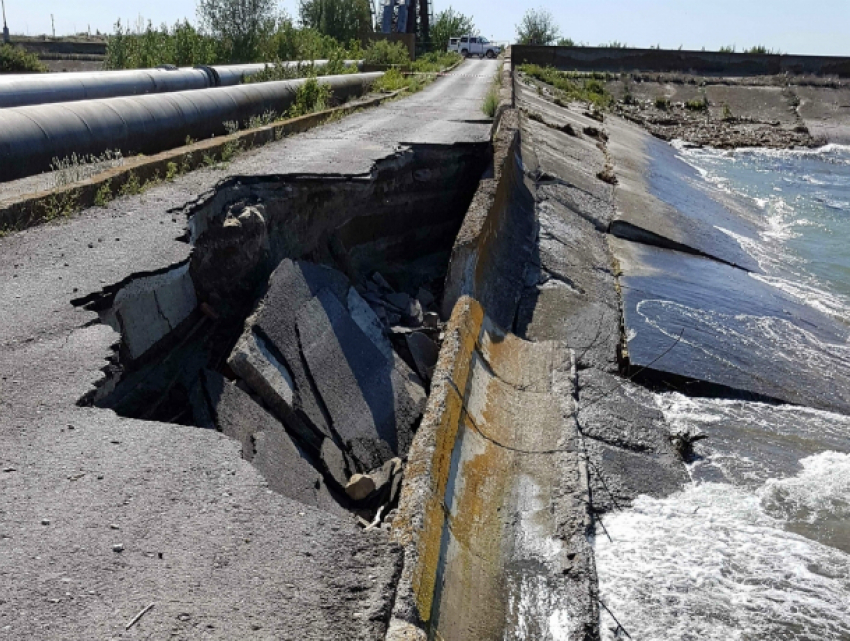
point(491, 102)
point(697, 104)
point(311, 96)
point(384, 52)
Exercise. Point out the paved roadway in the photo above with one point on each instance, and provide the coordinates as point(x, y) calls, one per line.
point(219, 554)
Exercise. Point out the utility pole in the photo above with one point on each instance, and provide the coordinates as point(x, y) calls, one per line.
point(53, 26)
point(6, 38)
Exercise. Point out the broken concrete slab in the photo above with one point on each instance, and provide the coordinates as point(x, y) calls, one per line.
point(369, 322)
point(255, 363)
point(570, 294)
point(265, 443)
point(373, 406)
point(292, 285)
point(149, 308)
point(335, 463)
point(424, 352)
point(552, 156)
point(707, 322)
point(627, 440)
point(289, 472)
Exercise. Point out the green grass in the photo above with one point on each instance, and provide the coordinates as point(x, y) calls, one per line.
point(571, 87)
point(491, 101)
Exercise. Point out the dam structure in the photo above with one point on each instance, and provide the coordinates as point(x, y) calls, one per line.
point(579, 369)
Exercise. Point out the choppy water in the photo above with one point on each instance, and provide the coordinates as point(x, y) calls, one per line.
point(758, 545)
point(802, 200)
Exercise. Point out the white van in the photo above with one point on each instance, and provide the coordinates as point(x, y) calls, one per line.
point(474, 46)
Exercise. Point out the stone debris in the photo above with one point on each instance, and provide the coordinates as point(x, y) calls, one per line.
point(360, 486)
point(378, 488)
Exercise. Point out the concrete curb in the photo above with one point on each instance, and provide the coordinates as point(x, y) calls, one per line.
point(419, 524)
point(33, 209)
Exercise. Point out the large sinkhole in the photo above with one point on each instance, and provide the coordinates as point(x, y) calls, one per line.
point(303, 325)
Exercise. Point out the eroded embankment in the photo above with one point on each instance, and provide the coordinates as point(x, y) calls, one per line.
point(303, 324)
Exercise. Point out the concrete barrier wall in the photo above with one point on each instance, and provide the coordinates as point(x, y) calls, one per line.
point(498, 231)
point(702, 62)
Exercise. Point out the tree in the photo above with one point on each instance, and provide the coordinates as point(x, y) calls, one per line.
point(241, 26)
point(449, 24)
point(344, 20)
point(537, 28)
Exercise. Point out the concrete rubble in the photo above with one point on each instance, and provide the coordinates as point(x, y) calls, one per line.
point(315, 353)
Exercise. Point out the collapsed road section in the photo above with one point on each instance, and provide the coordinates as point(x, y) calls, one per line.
point(337, 278)
point(316, 254)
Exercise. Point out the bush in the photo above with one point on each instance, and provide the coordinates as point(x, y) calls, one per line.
point(697, 104)
point(392, 80)
point(384, 52)
point(310, 96)
point(19, 60)
point(435, 61)
point(662, 103)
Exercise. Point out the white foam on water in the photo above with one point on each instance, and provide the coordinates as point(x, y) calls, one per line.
point(769, 339)
point(820, 492)
point(810, 294)
point(749, 442)
point(710, 564)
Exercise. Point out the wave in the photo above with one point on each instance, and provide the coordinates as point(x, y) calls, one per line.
point(715, 563)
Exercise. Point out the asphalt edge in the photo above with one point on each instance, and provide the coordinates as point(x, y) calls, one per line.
point(41, 207)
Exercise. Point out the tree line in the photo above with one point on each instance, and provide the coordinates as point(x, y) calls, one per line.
point(241, 31)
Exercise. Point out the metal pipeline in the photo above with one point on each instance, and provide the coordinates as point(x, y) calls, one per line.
point(27, 89)
point(31, 137)
point(230, 75)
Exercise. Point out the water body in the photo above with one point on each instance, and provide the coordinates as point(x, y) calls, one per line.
point(758, 545)
point(801, 199)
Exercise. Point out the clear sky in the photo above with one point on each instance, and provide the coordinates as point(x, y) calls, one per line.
point(793, 26)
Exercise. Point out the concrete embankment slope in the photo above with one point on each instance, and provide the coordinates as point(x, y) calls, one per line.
point(529, 435)
point(103, 514)
point(685, 280)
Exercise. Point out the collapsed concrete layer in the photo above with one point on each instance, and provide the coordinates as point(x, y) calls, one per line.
point(332, 363)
